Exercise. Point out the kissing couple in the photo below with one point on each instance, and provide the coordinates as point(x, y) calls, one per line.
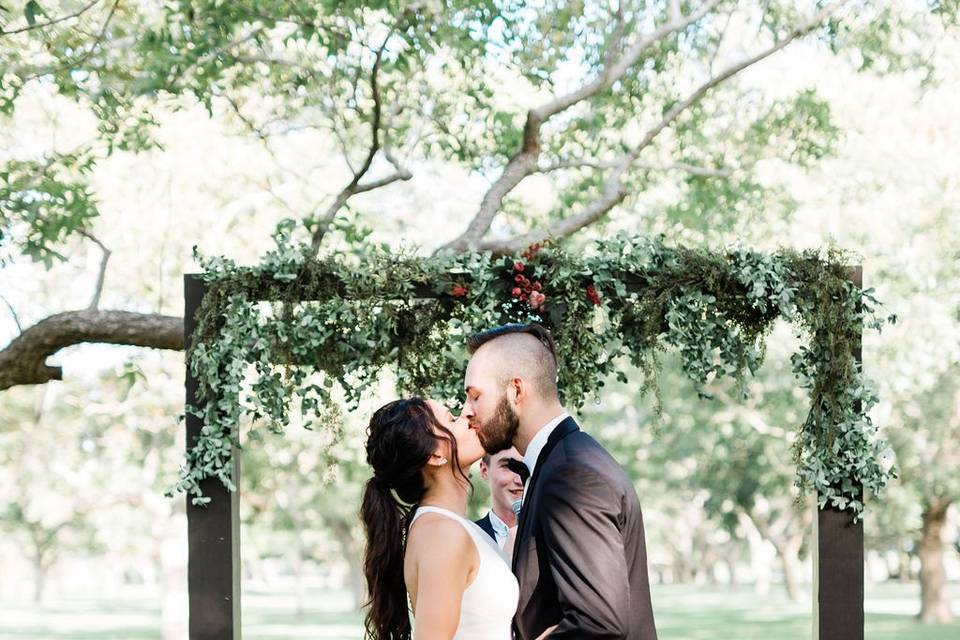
point(579, 562)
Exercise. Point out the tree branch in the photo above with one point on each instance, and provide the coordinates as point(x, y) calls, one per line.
point(692, 169)
point(614, 191)
point(41, 25)
point(613, 72)
point(253, 128)
point(98, 289)
point(731, 71)
point(322, 225)
point(344, 147)
point(279, 62)
point(264, 139)
point(13, 313)
point(720, 38)
point(675, 9)
point(23, 361)
point(402, 174)
point(100, 35)
point(713, 172)
point(616, 36)
point(576, 164)
point(215, 53)
point(83, 58)
point(524, 162)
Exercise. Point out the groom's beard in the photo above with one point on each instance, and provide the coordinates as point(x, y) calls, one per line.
point(497, 434)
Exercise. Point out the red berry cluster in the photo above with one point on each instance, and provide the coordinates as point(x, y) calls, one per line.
point(527, 290)
point(592, 295)
point(531, 252)
point(459, 290)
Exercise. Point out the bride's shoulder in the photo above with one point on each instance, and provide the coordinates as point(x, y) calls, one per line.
point(441, 557)
point(430, 521)
point(437, 534)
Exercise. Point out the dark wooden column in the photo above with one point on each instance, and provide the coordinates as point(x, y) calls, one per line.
point(213, 573)
point(838, 560)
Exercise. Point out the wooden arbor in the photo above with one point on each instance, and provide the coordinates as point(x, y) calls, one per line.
point(214, 537)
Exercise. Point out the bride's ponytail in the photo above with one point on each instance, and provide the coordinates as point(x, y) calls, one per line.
point(400, 440)
point(387, 615)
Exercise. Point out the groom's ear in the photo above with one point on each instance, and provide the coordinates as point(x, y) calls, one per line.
point(520, 389)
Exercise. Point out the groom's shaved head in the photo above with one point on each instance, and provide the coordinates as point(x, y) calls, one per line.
point(523, 350)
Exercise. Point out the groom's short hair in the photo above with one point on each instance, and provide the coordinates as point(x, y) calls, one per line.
point(537, 359)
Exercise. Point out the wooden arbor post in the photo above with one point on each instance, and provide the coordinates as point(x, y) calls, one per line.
point(838, 558)
point(214, 537)
point(213, 531)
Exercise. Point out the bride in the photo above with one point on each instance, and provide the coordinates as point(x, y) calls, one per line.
point(419, 542)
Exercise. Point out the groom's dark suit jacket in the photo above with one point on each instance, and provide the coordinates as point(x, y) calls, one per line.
point(580, 555)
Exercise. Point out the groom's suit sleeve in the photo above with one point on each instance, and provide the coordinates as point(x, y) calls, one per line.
point(583, 542)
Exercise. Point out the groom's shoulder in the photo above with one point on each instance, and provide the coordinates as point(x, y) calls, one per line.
point(580, 449)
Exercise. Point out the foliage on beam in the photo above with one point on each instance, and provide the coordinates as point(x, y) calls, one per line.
point(277, 337)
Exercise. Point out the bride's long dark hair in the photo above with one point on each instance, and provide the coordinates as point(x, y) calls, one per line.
point(401, 437)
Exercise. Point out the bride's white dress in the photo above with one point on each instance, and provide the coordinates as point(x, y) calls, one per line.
point(486, 612)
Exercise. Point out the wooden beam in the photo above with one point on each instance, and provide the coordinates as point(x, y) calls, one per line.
point(838, 559)
point(213, 573)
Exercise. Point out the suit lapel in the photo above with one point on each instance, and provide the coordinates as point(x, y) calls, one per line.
point(565, 428)
point(487, 525)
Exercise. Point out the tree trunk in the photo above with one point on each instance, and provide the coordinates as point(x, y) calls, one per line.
point(42, 559)
point(296, 565)
point(39, 578)
point(934, 601)
point(759, 564)
point(343, 532)
point(790, 580)
point(904, 566)
point(731, 558)
point(785, 533)
point(709, 562)
point(683, 572)
point(357, 583)
point(789, 553)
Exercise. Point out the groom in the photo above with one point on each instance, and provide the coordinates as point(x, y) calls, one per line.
point(580, 555)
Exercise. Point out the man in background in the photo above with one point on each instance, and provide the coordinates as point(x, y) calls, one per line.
point(506, 486)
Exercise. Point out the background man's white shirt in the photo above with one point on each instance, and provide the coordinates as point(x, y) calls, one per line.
point(500, 528)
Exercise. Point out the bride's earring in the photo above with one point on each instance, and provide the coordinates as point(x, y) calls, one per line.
point(443, 461)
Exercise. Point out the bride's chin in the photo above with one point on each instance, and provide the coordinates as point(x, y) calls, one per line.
point(474, 458)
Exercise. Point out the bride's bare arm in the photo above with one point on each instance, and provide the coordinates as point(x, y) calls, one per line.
point(446, 562)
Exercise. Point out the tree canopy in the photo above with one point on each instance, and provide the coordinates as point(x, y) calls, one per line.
point(568, 111)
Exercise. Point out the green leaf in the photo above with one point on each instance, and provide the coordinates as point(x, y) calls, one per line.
point(31, 11)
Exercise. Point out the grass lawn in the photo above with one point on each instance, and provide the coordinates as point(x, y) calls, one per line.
point(683, 613)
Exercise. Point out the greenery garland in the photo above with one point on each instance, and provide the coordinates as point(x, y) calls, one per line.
point(340, 320)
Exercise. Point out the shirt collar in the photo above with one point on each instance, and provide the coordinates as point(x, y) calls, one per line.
point(498, 525)
point(540, 441)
